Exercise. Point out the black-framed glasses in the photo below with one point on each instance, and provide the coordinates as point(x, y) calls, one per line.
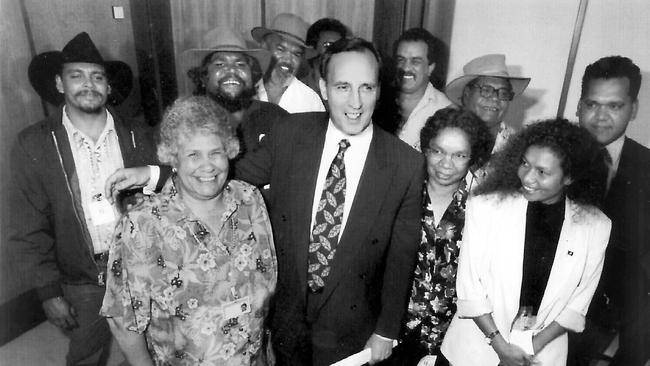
point(458, 159)
point(488, 91)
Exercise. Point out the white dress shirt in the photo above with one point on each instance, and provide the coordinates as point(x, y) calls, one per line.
point(298, 97)
point(94, 163)
point(354, 159)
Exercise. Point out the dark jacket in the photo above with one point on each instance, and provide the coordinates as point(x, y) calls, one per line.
point(48, 234)
point(369, 283)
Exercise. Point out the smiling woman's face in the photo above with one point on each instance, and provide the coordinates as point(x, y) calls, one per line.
point(541, 174)
point(201, 167)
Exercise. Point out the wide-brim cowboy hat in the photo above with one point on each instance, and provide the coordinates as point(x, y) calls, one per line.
point(287, 26)
point(490, 66)
point(45, 66)
point(223, 39)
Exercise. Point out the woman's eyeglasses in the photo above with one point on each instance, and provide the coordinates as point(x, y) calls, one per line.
point(488, 91)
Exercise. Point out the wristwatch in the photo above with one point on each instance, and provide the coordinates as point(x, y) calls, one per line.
point(490, 337)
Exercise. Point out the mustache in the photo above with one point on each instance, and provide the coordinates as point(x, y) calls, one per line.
point(85, 93)
point(285, 64)
point(401, 73)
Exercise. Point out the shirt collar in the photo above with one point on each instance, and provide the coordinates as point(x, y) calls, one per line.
point(334, 134)
point(615, 148)
point(78, 135)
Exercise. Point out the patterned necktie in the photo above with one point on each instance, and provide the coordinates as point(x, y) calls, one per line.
point(327, 223)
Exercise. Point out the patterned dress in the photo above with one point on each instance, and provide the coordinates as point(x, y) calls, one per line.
point(433, 296)
point(199, 297)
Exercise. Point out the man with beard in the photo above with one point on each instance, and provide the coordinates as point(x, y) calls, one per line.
point(61, 223)
point(416, 52)
point(228, 73)
point(285, 40)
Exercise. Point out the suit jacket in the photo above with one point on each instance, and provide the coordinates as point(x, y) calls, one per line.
point(490, 275)
point(626, 275)
point(368, 287)
point(48, 234)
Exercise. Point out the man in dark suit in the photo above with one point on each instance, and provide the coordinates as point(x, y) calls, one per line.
point(608, 103)
point(358, 299)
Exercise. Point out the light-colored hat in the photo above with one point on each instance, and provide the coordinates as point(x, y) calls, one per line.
point(288, 26)
point(487, 65)
point(223, 39)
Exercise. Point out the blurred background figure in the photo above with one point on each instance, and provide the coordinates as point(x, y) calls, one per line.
point(320, 36)
point(193, 267)
point(533, 250)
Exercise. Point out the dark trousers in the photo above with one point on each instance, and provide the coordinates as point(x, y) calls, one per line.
point(93, 335)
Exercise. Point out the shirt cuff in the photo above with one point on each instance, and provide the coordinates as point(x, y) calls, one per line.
point(571, 319)
point(154, 175)
point(384, 338)
point(472, 308)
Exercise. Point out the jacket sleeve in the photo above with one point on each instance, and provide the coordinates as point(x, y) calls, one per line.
point(472, 262)
point(255, 166)
point(573, 315)
point(31, 236)
point(401, 258)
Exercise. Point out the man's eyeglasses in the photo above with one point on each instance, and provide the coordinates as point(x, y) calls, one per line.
point(488, 91)
point(457, 159)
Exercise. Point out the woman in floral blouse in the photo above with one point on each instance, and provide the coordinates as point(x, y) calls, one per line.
point(193, 268)
point(453, 142)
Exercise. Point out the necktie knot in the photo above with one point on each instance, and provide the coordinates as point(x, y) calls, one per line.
point(607, 158)
point(343, 145)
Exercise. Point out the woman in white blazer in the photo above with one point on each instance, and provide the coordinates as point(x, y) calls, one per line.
point(532, 251)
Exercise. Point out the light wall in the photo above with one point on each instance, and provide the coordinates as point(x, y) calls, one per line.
point(535, 36)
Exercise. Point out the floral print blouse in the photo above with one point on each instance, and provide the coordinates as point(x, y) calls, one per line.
point(433, 296)
point(199, 297)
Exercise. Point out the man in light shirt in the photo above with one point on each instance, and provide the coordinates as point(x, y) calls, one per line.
point(608, 103)
point(416, 52)
point(285, 39)
point(62, 224)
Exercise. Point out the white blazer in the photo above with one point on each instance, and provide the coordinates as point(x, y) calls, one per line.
point(490, 275)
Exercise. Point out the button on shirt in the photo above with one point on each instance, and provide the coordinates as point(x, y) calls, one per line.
point(94, 163)
point(354, 158)
point(297, 98)
point(432, 101)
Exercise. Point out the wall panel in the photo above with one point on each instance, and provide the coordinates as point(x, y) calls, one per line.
point(616, 28)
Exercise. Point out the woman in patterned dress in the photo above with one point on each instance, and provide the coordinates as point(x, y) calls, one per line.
point(453, 142)
point(193, 268)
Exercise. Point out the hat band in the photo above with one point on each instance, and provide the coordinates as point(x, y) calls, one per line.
point(289, 35)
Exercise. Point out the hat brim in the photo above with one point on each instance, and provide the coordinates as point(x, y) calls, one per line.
point(194, 57)
point(454, 89)
point(44, 67)
point(258, 34)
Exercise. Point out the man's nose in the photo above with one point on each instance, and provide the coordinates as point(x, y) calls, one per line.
point(355, 99)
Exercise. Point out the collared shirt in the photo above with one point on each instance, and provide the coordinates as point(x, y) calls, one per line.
point(200, 295)
point(94, 163)
point(432, 101)
point(354, 159)
point(297, 98)
point(615, 148)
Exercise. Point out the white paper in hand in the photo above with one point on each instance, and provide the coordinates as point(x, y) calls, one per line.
point(359, 358)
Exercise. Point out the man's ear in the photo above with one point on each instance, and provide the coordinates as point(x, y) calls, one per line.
point(59, 83)
point(432, 66)
point(322, 85)
point(635, 108)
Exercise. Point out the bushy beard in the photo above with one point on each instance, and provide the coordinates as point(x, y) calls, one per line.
point(234, 104)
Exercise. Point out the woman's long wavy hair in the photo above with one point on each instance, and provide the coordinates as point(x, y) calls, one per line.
point(581, 158)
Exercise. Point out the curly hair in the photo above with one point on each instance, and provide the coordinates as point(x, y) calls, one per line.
point(189, 116)
point(198, 74)
point(480, 138)
point(580, 154)
point(323, 25)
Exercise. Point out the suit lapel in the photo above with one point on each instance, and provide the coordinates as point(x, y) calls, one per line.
point(304, 172)
point(365, 208)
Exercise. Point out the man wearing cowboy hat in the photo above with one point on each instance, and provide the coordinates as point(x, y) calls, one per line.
point(62, 225)
point(285, 40)
point(227, 71)
point(486, 88)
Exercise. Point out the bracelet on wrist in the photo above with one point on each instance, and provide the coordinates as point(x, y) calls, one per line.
point(490, 337)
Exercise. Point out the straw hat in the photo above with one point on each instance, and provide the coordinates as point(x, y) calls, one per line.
point(487, 65)
point(223, 39)
point(45, 66)
point(288, 26)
